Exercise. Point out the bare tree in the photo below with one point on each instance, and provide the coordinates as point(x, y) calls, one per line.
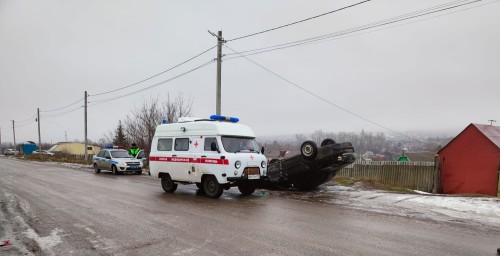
point(318, 136)
point(141, 124)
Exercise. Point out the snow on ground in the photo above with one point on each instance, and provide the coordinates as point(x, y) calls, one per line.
point(464, 209)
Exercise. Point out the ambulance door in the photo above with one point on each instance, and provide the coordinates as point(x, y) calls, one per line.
point(196, 149)
point(210, 159)
point(181, 159)
point(164, 147)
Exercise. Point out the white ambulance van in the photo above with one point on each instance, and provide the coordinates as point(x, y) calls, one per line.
point(215, 154)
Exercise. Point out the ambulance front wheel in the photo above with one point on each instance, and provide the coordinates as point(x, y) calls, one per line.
point(246, 188)
point(168, 184)
point(211, 187)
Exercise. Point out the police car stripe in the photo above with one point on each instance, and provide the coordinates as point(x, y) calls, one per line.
point(189, 160)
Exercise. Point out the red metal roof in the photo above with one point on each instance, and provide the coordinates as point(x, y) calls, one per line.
point(491, 132)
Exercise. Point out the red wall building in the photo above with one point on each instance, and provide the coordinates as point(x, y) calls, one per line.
point(470, 163)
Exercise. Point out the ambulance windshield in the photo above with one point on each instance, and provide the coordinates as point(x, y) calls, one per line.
point(240, 144)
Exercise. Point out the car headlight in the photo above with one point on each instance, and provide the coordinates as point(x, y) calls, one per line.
point(237, 164)
point(263, 164)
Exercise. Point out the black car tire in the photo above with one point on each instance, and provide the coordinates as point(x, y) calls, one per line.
point(114, 170)
point(211, 187)
point(327, 142)
point(96, 169)
point(246, 188)
point(309, 150)
point(199, 185)
point(168, 184)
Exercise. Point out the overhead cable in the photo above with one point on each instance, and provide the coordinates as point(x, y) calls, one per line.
point(300, 21)
point(347, 32)
point(319, 97)
point(151, 77)
point(67, 106)
point(152, 86)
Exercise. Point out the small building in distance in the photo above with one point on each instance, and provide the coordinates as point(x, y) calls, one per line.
point(470, 163)
point(74, 148)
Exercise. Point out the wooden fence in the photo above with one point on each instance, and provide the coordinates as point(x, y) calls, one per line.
point(411, 175)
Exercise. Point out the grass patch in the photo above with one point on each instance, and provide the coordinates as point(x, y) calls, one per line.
point(348, 182)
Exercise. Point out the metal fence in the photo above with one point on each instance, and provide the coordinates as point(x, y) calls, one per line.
point(410, 175)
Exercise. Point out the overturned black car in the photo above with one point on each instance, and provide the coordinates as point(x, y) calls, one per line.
point(312, 167)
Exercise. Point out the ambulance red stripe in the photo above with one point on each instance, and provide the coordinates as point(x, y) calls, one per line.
point(189, 160)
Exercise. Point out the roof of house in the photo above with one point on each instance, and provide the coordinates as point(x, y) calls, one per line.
point(489, 131)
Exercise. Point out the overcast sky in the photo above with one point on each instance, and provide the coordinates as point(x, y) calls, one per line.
point(434, 74)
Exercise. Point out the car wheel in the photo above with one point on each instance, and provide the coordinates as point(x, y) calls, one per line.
point(246, 188)
point(327, 142)
point(199, 185)
point(114, 170)
point(96, 169)
point(168, 184)
point(212, 187)
point(309, 150)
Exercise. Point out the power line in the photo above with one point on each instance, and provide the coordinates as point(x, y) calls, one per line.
point(152, 86)
point(300, 21)
point(52, 110)
point(319, 97)
point(64, 113)
point(151, 77)
point(27, 120)
point(372, 25)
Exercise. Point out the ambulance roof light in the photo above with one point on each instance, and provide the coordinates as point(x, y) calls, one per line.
point(224, 118)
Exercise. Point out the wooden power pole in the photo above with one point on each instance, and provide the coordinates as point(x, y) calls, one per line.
point(39, 137)
point(85, 121)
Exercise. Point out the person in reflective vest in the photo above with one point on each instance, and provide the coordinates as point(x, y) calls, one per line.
point(134, 150)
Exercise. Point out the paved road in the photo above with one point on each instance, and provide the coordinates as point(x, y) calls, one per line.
point(47, 209)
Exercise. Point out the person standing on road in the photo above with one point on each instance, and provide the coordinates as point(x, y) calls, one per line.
point(134, 150)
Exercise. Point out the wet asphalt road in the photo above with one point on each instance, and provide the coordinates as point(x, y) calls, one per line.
point(52, 210)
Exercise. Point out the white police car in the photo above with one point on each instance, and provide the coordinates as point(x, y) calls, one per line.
point(116, 160)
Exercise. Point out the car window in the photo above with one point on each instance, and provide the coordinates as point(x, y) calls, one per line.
point(101, 153)
point(208, 142)
point(106, 154)
point(141, 154)
point(239, 144)
point(181, 144)
point(164, 145)
point(120, 154)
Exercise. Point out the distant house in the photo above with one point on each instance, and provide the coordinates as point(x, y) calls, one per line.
point(470, 163)
point(74, 148)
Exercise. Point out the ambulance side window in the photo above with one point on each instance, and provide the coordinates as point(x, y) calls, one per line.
point(181, 144)
point(208, 142)
point(164, 145)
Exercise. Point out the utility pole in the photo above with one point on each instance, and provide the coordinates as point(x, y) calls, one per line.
point(85, 107)
point(39, 137)
point(220, 41)
point(14, 133)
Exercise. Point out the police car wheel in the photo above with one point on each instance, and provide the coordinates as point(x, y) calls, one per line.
point(246, 188)
point(212, 187)
point(96, 169)
point(114, 170)
point(309, 150)
point(168, 184)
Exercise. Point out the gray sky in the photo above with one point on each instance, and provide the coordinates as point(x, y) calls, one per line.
point(437, 74)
